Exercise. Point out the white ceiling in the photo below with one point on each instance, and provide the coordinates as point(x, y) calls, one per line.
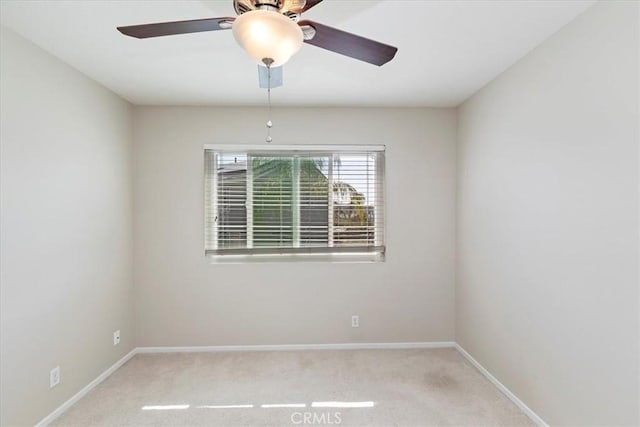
point(447, 49)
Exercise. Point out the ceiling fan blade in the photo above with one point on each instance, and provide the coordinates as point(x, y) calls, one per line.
point(348, 44)
point(176, 27)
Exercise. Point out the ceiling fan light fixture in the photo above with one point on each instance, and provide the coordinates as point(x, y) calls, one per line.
point(267, 34)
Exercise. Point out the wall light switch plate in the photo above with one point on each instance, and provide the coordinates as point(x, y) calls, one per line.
point(54, 377)
point(355, 321)
point(116, 337)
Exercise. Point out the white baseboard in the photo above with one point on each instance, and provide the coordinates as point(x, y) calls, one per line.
point(284, 347)
point(86, 389)
point(519, 403)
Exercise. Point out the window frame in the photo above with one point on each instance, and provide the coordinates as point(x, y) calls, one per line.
point(368, 253)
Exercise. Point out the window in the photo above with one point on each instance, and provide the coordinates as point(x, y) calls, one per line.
point(294, 200)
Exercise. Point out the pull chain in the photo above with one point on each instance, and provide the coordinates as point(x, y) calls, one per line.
point(268, 62)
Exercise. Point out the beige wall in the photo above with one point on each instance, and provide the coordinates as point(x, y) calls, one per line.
point(547, 286)
point(65, 273)
point(181, 299)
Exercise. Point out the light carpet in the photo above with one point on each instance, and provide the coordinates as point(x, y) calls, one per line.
point(418, 387)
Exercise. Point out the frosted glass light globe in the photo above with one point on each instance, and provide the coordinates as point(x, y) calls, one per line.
point(266, 34)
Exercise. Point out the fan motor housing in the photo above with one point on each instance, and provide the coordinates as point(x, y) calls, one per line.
point(290, 8)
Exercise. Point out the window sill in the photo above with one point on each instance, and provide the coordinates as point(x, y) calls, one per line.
point(357, 258)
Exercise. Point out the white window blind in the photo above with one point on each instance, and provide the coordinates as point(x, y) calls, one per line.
point(295, 200)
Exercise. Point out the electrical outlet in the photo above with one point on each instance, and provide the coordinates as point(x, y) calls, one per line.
point(355, 321)
point(116, 337)
point(54, 377)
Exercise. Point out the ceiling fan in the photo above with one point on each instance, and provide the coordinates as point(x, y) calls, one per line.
point(271, 32)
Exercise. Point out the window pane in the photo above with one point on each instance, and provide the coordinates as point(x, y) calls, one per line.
point(232, 196)
point(314, 201)
point(354, 192)
point(272, 197)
